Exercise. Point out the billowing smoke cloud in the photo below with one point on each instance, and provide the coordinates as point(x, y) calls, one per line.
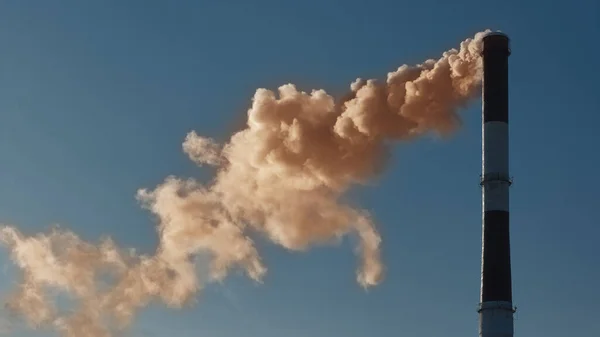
point(282, 178)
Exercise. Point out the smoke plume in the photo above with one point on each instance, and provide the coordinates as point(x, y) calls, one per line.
point(281, 178)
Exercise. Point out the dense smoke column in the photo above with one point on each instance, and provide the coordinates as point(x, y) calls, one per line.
point(282, 178)
point(496, 309)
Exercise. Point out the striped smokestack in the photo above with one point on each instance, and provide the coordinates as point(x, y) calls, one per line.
point(495, 308)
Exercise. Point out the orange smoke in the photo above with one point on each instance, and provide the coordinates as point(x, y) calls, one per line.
point(281, 177)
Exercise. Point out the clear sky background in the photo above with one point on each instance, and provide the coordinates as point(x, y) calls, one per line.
point(97, 96)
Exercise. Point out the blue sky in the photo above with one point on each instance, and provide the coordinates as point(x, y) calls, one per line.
point(96, 98)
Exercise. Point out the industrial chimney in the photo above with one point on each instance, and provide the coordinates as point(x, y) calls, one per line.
point(496, 307)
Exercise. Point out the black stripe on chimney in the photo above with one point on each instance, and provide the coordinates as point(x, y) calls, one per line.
point(496, 276)
point(496, 50)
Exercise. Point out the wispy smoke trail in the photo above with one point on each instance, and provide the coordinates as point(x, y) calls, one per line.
point(281, 177)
